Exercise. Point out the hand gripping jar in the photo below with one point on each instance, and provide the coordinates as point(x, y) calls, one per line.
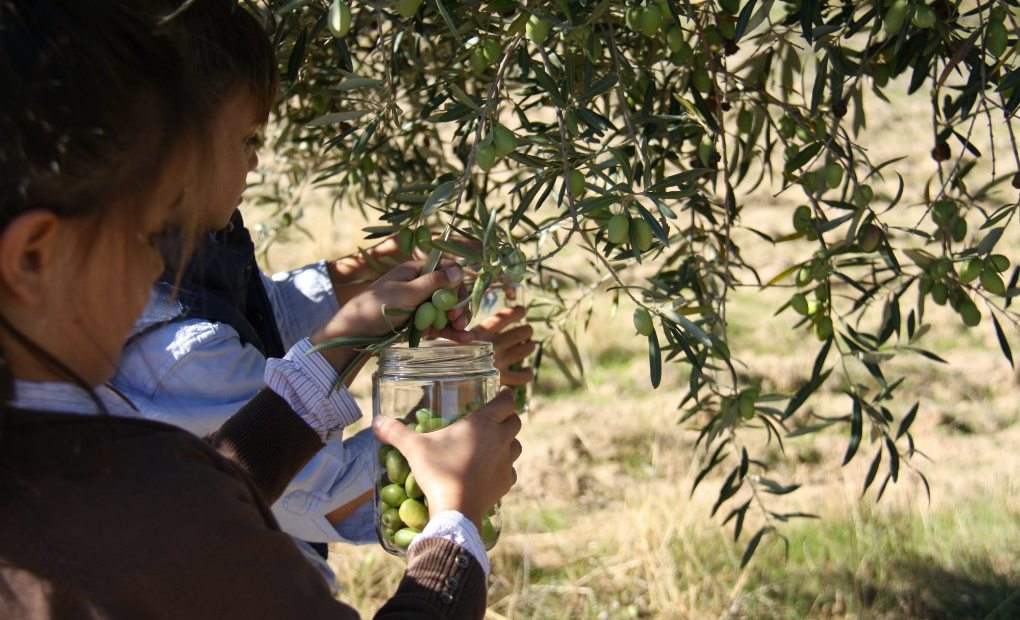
point(427, 388)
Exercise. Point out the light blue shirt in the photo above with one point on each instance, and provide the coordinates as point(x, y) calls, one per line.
point(195, 374)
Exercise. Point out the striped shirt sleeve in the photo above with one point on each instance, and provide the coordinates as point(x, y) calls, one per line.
point(309, 385)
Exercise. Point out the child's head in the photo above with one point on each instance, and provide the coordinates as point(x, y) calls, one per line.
point(98, 129)
point(232, 59)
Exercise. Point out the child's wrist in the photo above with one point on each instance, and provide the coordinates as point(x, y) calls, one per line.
point(338, 357)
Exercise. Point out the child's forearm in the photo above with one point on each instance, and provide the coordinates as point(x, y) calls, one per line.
point(342, 513)
point(350, 275)
point(339, 357)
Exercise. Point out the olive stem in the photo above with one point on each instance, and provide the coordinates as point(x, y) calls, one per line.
point(484, 114)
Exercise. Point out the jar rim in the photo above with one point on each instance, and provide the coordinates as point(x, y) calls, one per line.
point(449, 346)
point(438, 356)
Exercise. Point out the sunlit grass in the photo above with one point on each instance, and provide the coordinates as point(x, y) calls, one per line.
point(945, 564)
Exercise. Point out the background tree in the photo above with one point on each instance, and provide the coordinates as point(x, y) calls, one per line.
point(636, 132)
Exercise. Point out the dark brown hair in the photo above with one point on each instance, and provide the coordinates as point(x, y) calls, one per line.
point(226, 48)
point(97, 100)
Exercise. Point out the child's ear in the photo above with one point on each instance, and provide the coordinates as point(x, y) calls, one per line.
point(28, 246)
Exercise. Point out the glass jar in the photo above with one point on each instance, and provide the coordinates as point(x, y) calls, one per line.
point(427, 388)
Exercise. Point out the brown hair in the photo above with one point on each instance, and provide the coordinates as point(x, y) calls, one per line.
point(226, 48)
point(97, 102)
point(97, 99)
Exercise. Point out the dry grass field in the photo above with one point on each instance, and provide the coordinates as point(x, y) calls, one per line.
point(602, 523)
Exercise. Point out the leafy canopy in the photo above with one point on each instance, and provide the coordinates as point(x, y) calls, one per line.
point(636, 132)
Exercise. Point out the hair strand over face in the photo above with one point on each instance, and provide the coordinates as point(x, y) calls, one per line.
point(99, 101)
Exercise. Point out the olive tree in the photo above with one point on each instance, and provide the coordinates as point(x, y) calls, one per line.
point(635, 132)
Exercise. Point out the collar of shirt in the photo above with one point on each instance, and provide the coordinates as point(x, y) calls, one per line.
point(67, 398)
point(162, 307)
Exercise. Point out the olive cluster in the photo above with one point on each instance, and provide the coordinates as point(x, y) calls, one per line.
point(815, 309)
point(486, 54)
point(403, 507)
point(499, 143)
point(944, 284)
point(408, 239)
point(818, 308)
point(869, 236)
point(742, 405)
point(433, 313)
point(340, 16)
point(624, 229)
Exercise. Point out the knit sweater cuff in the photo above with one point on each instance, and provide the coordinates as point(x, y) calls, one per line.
point(444, 576)
point(455, 527)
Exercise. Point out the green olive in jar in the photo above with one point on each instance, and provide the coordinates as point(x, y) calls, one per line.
point(391, 518)
point(405, 536)
point(411, 487)
point(393, 495)
point(396, 467)
point(383, 451)
point(414, 513)
point(488, 533)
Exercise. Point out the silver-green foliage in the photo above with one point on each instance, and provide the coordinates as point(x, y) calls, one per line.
point(465, 117)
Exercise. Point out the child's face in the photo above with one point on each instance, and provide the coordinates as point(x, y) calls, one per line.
point(235, 145)
point(103, 279)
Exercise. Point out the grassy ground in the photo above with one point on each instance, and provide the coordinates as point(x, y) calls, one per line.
point(603, 523)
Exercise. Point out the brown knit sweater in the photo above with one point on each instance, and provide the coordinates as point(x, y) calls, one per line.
point(110, 517)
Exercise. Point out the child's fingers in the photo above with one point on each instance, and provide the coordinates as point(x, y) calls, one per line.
point(516, 354)
point(451, 333)
point(391, 431)
point(499, 321)
point(404, 272)
point(421, 288)
point(411, 270)
point(515, 450)
point(460, 310)
point(462, 320)
point(472, 244)
point(512, 337)
point(460, 317)
point(498, 410)
point(511, 314)
point(514, 378)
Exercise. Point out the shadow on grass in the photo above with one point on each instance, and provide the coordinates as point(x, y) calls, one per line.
point(912, 588)
point(924, 589)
